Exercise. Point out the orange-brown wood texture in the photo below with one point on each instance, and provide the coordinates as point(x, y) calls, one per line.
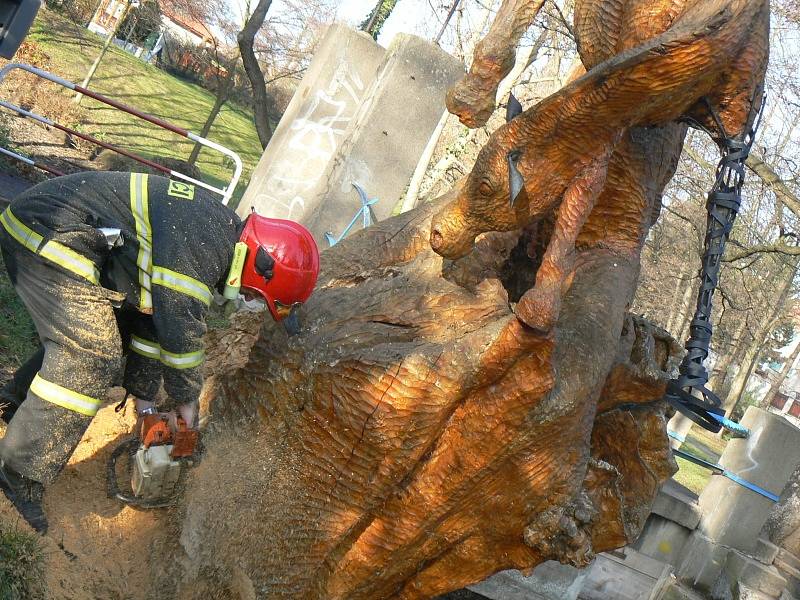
point(650, 64)
point(435, 420)
point(415, 437)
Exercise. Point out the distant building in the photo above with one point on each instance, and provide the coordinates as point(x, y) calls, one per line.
point(107, 16)
point(185, 28)
point(178, 34)
point(174, 25)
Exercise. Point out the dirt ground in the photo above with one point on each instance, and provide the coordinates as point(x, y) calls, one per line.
point(96, 547)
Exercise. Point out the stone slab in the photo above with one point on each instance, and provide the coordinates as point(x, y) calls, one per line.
point(395, 122)
point(789, 572)
point(625, 575)
point(663, 540)
point(463, 594)
point(676, 591)
point(291, 176)
point(671, 503)
point(549, 581)
point(787, 558)
point(765, 551)
point(703, 561)
point(742, 592)
point(754, 575)
point(732, 514)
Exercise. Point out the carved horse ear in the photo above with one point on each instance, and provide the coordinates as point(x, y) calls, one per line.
point(513, 108)
point(515, 181)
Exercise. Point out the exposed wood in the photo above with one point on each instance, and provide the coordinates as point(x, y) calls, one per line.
point(415, 437)
point(418, 435)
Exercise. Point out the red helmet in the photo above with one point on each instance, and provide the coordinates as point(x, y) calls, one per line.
point(282, 262)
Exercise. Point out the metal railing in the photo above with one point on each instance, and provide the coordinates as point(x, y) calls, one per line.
point(226, 192)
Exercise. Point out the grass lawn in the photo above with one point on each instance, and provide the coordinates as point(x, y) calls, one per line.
point(125, 78)
point(702, 444)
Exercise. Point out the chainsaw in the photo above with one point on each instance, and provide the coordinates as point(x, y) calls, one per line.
point(158, 457)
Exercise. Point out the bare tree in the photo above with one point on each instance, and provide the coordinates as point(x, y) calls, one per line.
point(261, 100)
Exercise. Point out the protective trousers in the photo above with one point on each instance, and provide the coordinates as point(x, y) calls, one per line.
point(82, 360)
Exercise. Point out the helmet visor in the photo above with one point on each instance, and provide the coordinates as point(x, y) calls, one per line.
point(284, 310)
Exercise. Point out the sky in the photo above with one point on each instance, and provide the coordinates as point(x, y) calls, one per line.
point(406, 20)
point(410, 16)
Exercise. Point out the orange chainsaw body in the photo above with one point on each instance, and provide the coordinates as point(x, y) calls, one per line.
point(154, 430)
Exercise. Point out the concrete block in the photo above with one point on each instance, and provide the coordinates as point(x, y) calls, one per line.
point(291, 176)
point(671, 503)
point(754, 575)
point(787, 558)
point(765, 551)
point(703, 561)
point(393, 127)
point(549, 581)
point(742, 592)
point(625, 575)
point(785, 566)
point(732, 514)
point(663, 540)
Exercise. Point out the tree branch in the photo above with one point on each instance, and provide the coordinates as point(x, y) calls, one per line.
point(763, 248)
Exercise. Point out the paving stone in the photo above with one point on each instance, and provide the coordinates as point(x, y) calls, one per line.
point(765, 551)
point(753, 575)
point(702, 563)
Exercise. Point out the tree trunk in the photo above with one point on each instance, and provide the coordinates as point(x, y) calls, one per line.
point(775, 386)
point(261, 100)
point(374, 22)
point(416, 436)
point(416, 430)
point(685, 311)
point(93, 69)
point(446, 22)
point(719, 380)
point(776, 303)
point(223, 93)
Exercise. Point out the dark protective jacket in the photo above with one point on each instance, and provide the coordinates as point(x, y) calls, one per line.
point(176, 246)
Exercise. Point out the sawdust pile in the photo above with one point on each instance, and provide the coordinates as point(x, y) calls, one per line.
point(97, 548)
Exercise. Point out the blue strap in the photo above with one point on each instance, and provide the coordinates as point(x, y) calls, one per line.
point(722, 471)
point(750, 486)
point(737, 428)
point(364, 212)
point(675, 436)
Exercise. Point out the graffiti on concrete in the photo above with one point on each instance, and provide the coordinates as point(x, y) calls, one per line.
point(315, 136)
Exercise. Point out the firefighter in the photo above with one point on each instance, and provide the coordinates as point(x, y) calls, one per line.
point(117, 271)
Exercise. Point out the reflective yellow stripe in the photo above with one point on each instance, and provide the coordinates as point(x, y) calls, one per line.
point(53, 251)
point(144, 235)
point(145, 347)
point(182, 361)
point(182, 283)
point(19, 231)
point(71, 261)
point(153, 350)
point(65, 398)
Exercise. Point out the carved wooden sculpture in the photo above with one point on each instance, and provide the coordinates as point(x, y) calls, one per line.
point(416, 435)
point(714, 54)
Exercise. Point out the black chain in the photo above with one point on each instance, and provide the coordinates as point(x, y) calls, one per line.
point(723, 204)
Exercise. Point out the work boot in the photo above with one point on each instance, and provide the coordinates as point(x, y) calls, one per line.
point(26, 496)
